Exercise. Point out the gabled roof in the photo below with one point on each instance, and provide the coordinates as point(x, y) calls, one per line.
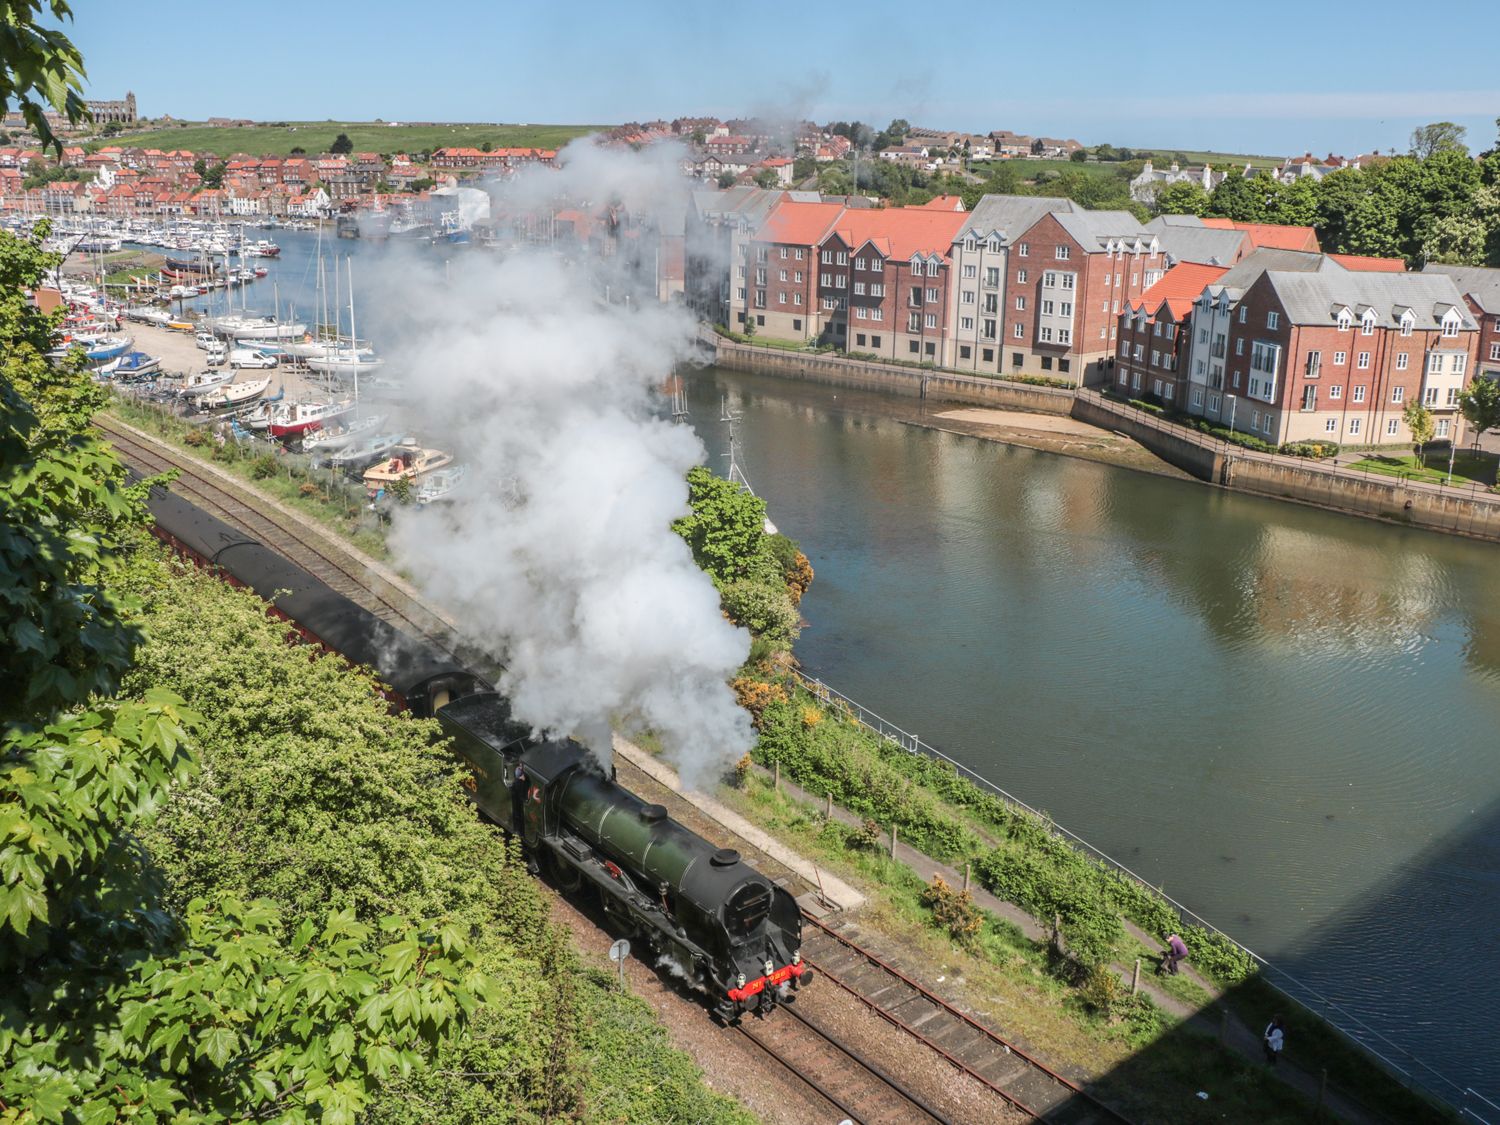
point(1244, 274)
point(1364, 263)
point(800, 224)
point(1318, 298)
point(901, 232)
point(1179, 287)
point(1011, 215)
point(1483, 285)
point(1096, 230)
point(1207, 245)
point(944, 203)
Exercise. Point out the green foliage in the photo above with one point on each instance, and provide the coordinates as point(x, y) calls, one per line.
point(1441, 136)
point(725, 528)
point(1420, 422)
point(953, 911)
point(341, 144)
point(1315, 449)
point(764, 608)
point(1186, 197)
point(39, 66)
point(766, 178)
point(1480, 405)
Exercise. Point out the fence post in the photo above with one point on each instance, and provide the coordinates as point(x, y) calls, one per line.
point(828, 806)
point(967, 866)
point(893, 839)
point(776, 768)
point(1135, 977)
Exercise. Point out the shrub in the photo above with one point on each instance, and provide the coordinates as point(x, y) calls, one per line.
point(1316, 449)
point(866, 836)
point(263, 467)
point(1103, 992)
point(755, 695)
point(765, 610)
point(742, 770)
point(1148, 407)
point(953, 910)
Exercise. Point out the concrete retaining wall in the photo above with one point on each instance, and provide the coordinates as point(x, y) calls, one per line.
point(837, 371)
point(1175, 448)
point(1388, 498)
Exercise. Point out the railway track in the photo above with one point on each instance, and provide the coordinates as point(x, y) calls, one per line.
point(1022, 1081)
point(284, 535)
point(855, 1087)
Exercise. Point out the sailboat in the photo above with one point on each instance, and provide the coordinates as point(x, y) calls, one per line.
point(737, 474)
point(351, 361)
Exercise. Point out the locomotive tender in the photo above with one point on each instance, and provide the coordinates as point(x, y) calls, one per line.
point(702, 913)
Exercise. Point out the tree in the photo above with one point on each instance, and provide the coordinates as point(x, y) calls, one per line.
point(767, 178)
point(487, 147)
point(804, 167)
point(1245, 199)
point(40, 67)
point(341, 144)
point(213, 175)
point(298, 150)
point(726, 525)
point(1479, 403)
point(1441, 136)
point(1185, 197)
point(1078, 156)
point(726, 179)
point(115, 1005)
point(1419, 421)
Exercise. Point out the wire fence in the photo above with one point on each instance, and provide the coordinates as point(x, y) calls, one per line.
point(1412, 1071)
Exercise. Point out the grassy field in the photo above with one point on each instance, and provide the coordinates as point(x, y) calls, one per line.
point(1161, 158)
point(368, 136)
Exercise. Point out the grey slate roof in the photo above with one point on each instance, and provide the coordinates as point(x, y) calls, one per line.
point(1240, 277)
point(1162, 221)
point(1316, 298)
point(1208, 245)
point(1474, 281)
point(1093, 229)
point(1011, 215)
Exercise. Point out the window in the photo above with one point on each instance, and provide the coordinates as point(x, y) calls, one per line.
point(877, 289)
point(1064, 253)
point(1064, 335)
point(760, 298)
point(1064, 365)
point(1442, 428)
point(797, 324)
point(1065, 308)
point(1359, 394)
point(1335, 391)
point(970, 245)
point(828, 257)
point(861, 313)
point(1406, 324)
point(987, 354)
point(1124, 377)
point(1450, 326)
point(965, 352)
point(932, 295)
point(1363, 361)
point(1330, 425)
point(842, 258)
point(796, 298)
point(859, 263)
point(971, 272)
point(1270, 422)
point(875, 340)
point(1049, 280)
point(877, 314)
point(1021, 304)
point(1495, 351)
point(825, 279)
point(913, 347)
point(781, 298)
point(841, 281)
point(1340, 358)
point(760, 277)
point(1046, 335)
point(1244, 313)
point(1020, 277)
point(1429, 396)
point(1107, 280)
point(992, 277)
point(1345, 320)
point(860, 339)
point(933, 268)
point(967, 323)
point(1018, 330)
point(797, 254)
point(859, 288)
point(1048, 308)
point(1203, 335)
point(1022, 249)
point(761, 321)
point(782, 276)
point(783, 253)
point(877, 265)
point(1391, 425)
point(1401, 358)
point(740, 293)
point(1434, 363)
point(1239, 345)
point(1155, 358)
point(1272, 320)
point(1354, 425)
point(1140, 352)
point(1197, 396)
point(1255, 419)
point(930, 320)
point(1213, 402)
point(914, 322)
point(1460, 362)
point(1309, 398)
point(1046, 363)
point(1067, 282)
point(760, 253)
point(797, 276)
point(1367, 325)
point(1398, 394)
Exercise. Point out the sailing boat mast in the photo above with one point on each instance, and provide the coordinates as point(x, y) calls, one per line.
point(353, 334)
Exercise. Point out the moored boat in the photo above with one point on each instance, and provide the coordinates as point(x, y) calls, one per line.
point(407, 462)
point(130, 365)
point(235, 394)
point(332, 439)
point(290, 419)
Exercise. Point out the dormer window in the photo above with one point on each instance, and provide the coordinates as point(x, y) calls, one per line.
point(1450, 324)
point(916, 265)
point(1407, 322)
point(994, 245)
point(1345, 320)
point(970, 244)
point(1367, 324)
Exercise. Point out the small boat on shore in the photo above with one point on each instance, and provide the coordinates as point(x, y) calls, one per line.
point(366, 451)
point(440, 485)
point(107, 348)
point(130, 365)
point(195, 386)
point(407, 462)
point(263, 328)
point(234, 394)
point(291, 419)
point(345, 363)
point(333, 439)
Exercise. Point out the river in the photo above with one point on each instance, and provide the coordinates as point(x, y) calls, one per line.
point(1288, 718)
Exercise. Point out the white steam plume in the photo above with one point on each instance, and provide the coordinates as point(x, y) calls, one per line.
point(557, 552)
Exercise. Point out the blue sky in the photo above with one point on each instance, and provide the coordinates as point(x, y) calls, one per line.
point(1265, 77)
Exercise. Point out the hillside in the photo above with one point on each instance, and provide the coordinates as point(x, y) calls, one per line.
point(278, 139)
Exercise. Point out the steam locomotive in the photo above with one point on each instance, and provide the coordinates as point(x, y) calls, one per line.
point(699, 911)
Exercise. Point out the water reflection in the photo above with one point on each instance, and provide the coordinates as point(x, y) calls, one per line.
point(1272, 710)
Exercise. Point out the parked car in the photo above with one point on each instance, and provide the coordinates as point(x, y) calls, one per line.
point(250, 357)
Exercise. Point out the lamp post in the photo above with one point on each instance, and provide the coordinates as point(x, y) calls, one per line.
point(1233, 402)
point(1452, 448)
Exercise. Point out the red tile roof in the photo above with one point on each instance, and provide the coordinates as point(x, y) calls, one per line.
point(944, 203)
point(1179, 288)
point(1361, 263)
point(799, 224)
point(900, 232)
point(1271, 235)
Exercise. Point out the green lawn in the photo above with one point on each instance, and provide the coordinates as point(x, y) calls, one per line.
point(1163, 157)
point(1467, 467)
point(368, 136)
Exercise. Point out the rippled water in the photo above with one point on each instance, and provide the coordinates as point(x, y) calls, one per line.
point(1288, 718)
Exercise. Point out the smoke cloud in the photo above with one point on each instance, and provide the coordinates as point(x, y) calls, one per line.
point(540, 369)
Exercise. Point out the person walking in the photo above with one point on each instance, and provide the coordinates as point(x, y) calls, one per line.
point(1176, 950)
point(1274, 1039)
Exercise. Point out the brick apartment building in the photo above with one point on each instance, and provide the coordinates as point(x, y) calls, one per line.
point(1327, 353)
point(1481, 290)
point(1070, 276)
point(1156, 332)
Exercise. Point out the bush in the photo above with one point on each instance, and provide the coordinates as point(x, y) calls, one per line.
point(1103, 992)
point(263, 467)
point(766, 611)
point(1148, 407)
point(953, 910)
point(1316, 449)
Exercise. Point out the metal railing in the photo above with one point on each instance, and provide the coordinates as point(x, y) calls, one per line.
point(1411, 1071)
